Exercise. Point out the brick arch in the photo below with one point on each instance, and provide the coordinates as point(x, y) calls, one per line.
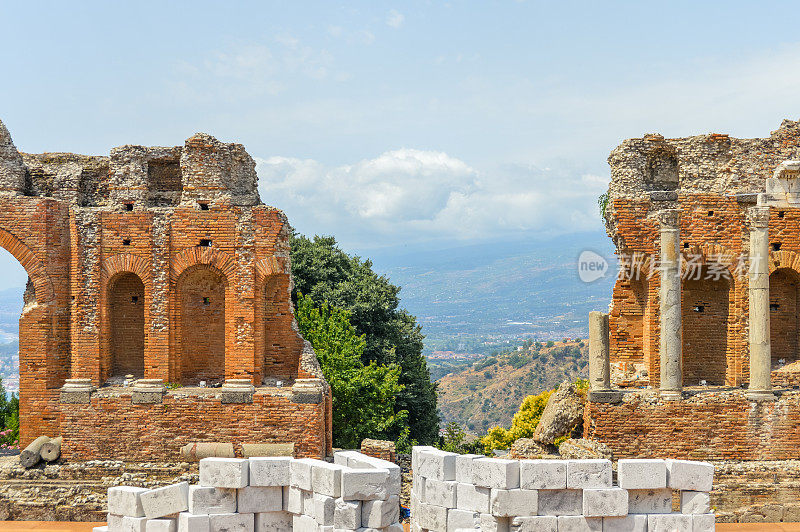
point(203, 256)
point(784, 259)
point(267, 266)
point(34, 268)
point(709, 250)
point(125, 263)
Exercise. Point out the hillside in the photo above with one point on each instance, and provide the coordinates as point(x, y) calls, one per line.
point(489, 391)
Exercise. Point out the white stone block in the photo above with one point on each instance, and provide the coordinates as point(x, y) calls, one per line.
point(364, 484)
point(650, 501)
point(255, 499)
point(161, 525)
point(114, 521)
point(641, 474)
point(418, 485)
point(303, 523)
point(512, 503)
point(695, 502)
point(394, 527)
point(324, 509)
point(579, 523)
point(126, 500)
point(415, 451)
point(689, 475)
point(440, 492)
point(285, 490)
point(224, 472)
point(168, 500)
point(100, 528)
point(295, 497)
point(432, 517)
point(560, 502)
point(605, 502)
point(536, 523)
point(462, 519)
point(703, 523)
point(208, 500)
point(669, 523)
point(380, 514)
point(347, 514)
point(464, 467)
point(326, 478)
point(495, 473)
point(543, 474)
point(232, 522)
point(436, 464)
point(300, 473)
point(492, 523)
point(269, 471)
point(629, 523)
point(593, 473)
point(472, 498)
point(127, 524)
point(193, 523)
point(273, 521)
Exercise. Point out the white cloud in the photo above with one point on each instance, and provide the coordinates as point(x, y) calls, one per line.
point(395, 19)
point(407, 194)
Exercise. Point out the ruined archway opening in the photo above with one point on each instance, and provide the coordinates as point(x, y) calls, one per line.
point(126, 309)
point(705, 309)
point(784, 292)
point(201, 310)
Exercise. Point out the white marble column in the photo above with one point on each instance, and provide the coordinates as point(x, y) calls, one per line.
point(758, 291)
point(670, 306)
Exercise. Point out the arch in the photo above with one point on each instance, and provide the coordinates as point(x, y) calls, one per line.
point(784, 259)
point(784, 303)
point(43, 286)
point(126, 309)
point(205, 256)
point(705, 310)
point(126, 262)
point(268, 266)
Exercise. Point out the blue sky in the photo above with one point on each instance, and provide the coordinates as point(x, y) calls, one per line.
point(389, 123)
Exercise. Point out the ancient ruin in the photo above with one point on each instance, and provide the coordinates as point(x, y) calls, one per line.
point(158, 310)
point(706, 310)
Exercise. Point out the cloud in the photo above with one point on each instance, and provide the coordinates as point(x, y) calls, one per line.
point(395, 19)
point(409, 194)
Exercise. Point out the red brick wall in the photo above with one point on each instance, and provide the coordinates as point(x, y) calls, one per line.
point(202, 333)
point(126, 301)
point(783, 292)
point(704, 315)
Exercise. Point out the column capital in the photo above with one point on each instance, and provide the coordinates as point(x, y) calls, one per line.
point(758, 217)
point(669, 218)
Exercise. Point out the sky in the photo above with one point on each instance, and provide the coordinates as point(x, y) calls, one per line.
point(388, 123)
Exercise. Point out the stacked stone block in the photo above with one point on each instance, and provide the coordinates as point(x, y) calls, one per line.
point(463, 493)
point(275, 494)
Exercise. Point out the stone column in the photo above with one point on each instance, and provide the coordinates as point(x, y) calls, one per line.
point(670, 306)
point(758, 291)
point(599, 361)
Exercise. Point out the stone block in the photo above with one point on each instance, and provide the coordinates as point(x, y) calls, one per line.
point(473, 498)
point(650, 501)
point(161, 525)
point(208, 500)
point(440, 492)
point(431, 517)
point(592, 473)
point(380, 514)
point(695, 502)
point(579, 523)
point(418, 485)
point(689, 475)
point(364, 484)
point(560, 502)
point(462, 519)
point(703, 523)
point(536, 523)
point(324, 508)
point(415, 451)
point(256, 499)
point(100, 528)
point(492, 523)
point(303, 523)
point(436, 464)
point(511, 503)
point(605, 502)
point(273, 521)
point(542, 474)
point(495, 473)
point(224, 472)
point(126, 500)
point(262, 450)
point(168, 500)
point(327, 478)
point(629, 523)
point(232, 522)
point(669, 523)
point(296, 500)
point(127, 524)
point(193, 523)
point(641, 474)
point(464, 467)
point(347, 514)
point(269, 471)
point(300, 473)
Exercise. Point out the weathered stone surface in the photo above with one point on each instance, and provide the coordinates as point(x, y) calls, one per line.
point(126, 500)
point(441, 492)
point(495, 473)
point(607, 502)
point(269, 471)
point(669, 523)
point(579, 523)
point(433, 463)
point(200, 450)
point(703, 523)
point(379, 514)
point(650, 501)
point(462, 520)
point(254, 499)
point(347, 514)
point(593, 473)
point(472, 498)
point(324, 509)
point(364, 484)
point(513, 502)
point(695, 502)
point(530, 448)
point(432, 517)
point(300, 473)
point(193, 523)
point(560, 502)
point(629, 523)
point(12, 169)
point(540, 523)
point(327, 478)
point(272, 521)
point(642, 474)
point(303, 523)
point(464, 467)
point(583, 449)
point(493, 523)
point(690, 475)
point(209, 500)
point(543, 474)
point(224, 472)
point(563, 411)
point(166, 501)
point(232, 522)
point(161, 525)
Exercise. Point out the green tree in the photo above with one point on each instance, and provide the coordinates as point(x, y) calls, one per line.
point(522, 425)
point(9, 419)
point(326, 274)
point(364, 397)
